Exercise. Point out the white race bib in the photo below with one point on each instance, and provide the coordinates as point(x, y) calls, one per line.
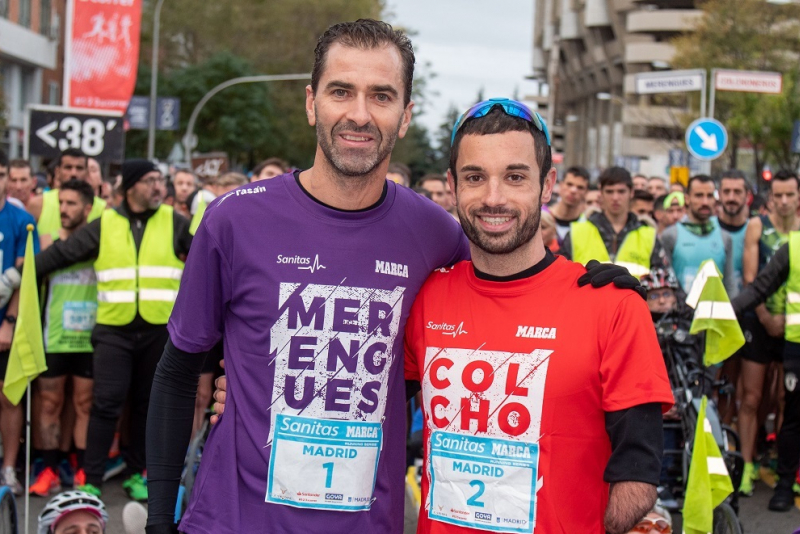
point(79, 316)
point(483, 483)
point(323, 464)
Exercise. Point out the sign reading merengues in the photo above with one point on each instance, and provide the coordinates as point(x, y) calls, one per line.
point(53, 129)
point(674, 81)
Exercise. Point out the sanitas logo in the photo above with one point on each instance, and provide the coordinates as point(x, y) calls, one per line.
point(395, 269)
point(447, 329)
point(536, 332)
point(302, 262)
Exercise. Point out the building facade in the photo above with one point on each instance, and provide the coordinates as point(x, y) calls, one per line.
point(589, 52)
point(31, 62)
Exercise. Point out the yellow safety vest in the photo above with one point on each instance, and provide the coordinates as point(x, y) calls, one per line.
point(50, 218)
point(634, 254)
point(792, 332)
point(197, 218)
point(124, 280)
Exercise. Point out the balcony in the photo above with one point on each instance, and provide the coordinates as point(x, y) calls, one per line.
point(663, 20)
point(649, 52)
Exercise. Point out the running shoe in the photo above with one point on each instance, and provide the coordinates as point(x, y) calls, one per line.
point(783, 498)
point(66, 473)
point(10, 480)
point(746, 487)
point(91, 489)
point(136, 487)
point(114, 466)
point(80, 478)
point(46, 483)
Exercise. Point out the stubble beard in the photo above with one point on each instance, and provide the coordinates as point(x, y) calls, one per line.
point(522, 234)
point(355, 167)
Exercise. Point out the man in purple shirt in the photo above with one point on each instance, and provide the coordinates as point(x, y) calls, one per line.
point(308, 278)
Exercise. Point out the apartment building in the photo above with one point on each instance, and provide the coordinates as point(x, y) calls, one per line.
point(588, 52)
point(31, 62)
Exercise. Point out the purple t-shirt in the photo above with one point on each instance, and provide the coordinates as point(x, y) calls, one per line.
point(311, 303)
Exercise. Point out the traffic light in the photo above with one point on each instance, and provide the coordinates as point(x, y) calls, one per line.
point(766, 174)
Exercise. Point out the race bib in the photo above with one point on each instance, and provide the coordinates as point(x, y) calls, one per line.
point(483, 483)
point(323, 464)
point(79, 316)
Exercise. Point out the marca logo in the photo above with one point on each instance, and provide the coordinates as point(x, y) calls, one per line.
point(447, 329)
point(302, 262)
point(536, 332)
point(395, 269)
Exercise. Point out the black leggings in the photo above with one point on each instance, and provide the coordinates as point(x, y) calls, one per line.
point(789, 436)
point(125, 361)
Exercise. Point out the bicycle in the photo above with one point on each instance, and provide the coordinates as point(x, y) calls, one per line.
point(8, 511)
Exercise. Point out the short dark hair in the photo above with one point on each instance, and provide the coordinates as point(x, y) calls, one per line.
point(277, 162)
point(3, 159)
point(400, 168)
point(580, 172)
point(83, 189)
point(498, 121)
point(702, 178)
point(659, 203)
point(784, 175)
point(732, 174)
point(615, 176)
point(432, 177)
point(71, 153)
point(20, 164)
point(365, 34)
point(640, 194)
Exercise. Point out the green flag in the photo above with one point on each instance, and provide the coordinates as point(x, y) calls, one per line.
point(198, 213)
point(709, 483)
point(714, 314)
point(26, 360)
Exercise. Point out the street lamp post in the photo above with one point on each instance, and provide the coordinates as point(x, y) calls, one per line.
point(151, 134)
point(621, 101)
point(187, 139)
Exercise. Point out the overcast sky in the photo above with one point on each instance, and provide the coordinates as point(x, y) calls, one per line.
point(470, 45)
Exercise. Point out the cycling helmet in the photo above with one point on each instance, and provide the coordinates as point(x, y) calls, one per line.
point(68, 502)
point(658, 279)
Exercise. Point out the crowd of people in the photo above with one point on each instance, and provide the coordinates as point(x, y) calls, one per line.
point(530, 371)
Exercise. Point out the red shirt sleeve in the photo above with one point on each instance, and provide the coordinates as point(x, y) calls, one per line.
point(632, 370)
point(413, 341)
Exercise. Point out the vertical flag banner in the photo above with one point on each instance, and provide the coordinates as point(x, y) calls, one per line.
point(26, 360)
point(709, 482)
point(102, 53)
point(714, 314)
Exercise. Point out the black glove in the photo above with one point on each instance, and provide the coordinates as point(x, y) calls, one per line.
point(602, 274)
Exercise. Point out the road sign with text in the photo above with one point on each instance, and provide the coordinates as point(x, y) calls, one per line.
point(53, 129)
point(748, 81)
point(673, 81)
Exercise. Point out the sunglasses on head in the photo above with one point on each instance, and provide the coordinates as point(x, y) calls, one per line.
point(509, 107)
point(661, 526)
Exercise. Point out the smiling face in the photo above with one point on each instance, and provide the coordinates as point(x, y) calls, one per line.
point(358, 109)
point(498, 192)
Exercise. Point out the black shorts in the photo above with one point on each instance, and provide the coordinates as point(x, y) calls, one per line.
point(69, 364)
point(4, 354)
point(760, 347)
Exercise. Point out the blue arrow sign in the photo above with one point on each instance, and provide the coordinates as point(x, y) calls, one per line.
point(706, 139)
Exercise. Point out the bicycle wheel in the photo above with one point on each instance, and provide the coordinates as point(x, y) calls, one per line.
point(725, 520)
point(8, 511)
point(193, 457)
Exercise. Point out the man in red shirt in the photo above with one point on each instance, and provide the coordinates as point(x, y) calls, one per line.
point(542, 399)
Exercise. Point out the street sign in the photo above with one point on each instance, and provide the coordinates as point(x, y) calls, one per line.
point(747, 81)
point(53, 129)
point(168, 112)
point(211, 165)
point(673, 81)
point(706, 139)
point(678, 158)
point(796, 138)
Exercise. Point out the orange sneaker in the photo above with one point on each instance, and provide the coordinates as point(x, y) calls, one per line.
point(46, 483)
point(80, 477)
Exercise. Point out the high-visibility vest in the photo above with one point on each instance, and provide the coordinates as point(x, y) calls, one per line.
point(197, 218)
point(634, 254)
point(792, 332)
point(50, 218)
point(71, 309)
point(126, 281)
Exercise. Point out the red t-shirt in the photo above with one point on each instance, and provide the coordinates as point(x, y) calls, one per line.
point(516, 377)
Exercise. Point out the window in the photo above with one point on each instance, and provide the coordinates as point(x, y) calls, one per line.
point(4, 8)
point(24, 13)
point(45, 17)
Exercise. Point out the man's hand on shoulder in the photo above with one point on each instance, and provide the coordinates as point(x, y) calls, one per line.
point(601, 274)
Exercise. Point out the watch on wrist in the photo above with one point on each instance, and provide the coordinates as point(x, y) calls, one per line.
point(11, 319)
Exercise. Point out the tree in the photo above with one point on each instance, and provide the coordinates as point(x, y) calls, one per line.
point(749, 35)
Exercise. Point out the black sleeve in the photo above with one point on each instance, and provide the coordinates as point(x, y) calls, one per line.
point(412, 388)
point(566, 246)
point(637, 444)
point(771, 277)
point(169, 428)
point(182, 237)
point(83, 245)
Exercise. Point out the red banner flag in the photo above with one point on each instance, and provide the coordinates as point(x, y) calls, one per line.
point(102, 52)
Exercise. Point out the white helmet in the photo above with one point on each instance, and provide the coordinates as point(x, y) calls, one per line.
point(67, 502)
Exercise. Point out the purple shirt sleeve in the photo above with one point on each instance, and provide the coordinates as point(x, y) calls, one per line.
point(196, 323)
